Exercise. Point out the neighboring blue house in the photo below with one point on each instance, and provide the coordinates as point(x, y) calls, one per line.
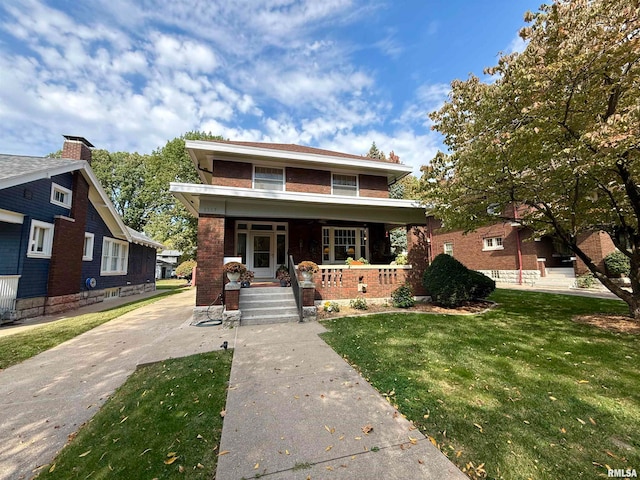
point(62, 244)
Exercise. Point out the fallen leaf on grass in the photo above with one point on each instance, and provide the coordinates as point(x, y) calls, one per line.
point(223, 413)
point(53, 467)
point(553, 399)
point(200, 466)
point(85, 453)
point(180, 468)
point(583, 381)
point(581, 421)
point(169, 461)
point(592, 421)
point(433, 440)
point(146, 451)
point(479, 427)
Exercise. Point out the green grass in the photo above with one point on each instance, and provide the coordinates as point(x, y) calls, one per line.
point(521, 389)
point(20, 346)
point(163, 423)
point(170, 283)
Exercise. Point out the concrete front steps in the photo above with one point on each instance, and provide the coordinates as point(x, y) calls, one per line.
point(558, 277)
point(266, 305)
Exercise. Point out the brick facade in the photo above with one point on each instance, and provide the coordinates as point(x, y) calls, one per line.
point(373, 186)
point(308, 181)
point(76, 150)
point(65, 269)
point(210, 258)
point(365, 281)
point(597, 245)
point(232, 174)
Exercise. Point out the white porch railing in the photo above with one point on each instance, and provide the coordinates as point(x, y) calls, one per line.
point(8, 292)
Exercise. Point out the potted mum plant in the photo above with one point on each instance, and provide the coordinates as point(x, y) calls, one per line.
point(234, 270)
point(246, 278)
point(307, 268)
point(282, 274)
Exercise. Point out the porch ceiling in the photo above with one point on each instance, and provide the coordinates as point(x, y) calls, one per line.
point(237, 202)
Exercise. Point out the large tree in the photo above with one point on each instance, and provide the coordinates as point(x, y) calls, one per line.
point(556, 133)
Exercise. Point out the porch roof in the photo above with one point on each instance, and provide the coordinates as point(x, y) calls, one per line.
point(247, 202)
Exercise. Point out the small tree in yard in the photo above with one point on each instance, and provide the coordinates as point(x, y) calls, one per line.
point(185, 269)
point(553, 142)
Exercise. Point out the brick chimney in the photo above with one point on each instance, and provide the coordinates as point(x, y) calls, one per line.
point(76, 148)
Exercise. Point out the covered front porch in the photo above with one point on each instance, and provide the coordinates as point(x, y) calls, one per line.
point(268, 229)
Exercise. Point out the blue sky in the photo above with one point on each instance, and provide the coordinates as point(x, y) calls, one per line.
point(335, 74)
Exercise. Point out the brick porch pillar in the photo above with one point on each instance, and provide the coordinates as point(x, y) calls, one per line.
point(417, 256)
point(210, 257)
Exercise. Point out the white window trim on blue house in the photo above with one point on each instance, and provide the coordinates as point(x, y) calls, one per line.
point(87, 251)
point(40, 239)
point(60, 195)
point(115, 255)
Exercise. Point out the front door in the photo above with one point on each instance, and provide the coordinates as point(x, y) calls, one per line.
point(261, 255)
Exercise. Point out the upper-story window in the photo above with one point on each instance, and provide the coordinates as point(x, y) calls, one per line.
point(492, 243)
point(344, 185)
point(60, 196)
point(448, 248)
point(267, 178)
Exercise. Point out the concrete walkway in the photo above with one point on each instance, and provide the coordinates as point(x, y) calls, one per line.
point(297, 410)
point(48, 397)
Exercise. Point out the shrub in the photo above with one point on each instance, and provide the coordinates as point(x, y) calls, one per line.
point(618, 264)
point(402, 297)
point(586, 280)
point(282, 273)
point(451, 284)
point(331, 306)
point(401, 259)
point(359, 303)
point(185, 269)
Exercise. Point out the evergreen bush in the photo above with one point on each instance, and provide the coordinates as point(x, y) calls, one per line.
point(451, 284)
point(618, 264)
point(402, 297)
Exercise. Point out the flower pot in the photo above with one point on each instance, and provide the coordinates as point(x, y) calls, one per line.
point(245, 284)
point(307, 276)
point(233, 276)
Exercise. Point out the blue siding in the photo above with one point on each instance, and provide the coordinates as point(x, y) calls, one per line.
point(10, 248)
point(142, 260)
point(33, 200)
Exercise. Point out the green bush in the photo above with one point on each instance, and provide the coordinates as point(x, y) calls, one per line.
point(618, 264)
point(402, 297)
point(329, 306)
point(451, 284)
point(359, 303)
point(185, 269)
point(586, 280)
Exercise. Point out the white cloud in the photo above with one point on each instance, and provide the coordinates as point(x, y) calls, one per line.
point(175, 53)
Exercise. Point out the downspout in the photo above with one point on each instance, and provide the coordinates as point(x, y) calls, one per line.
point(519, 246)
point(429, 240)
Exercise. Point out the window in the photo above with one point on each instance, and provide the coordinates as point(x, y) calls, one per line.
point(60, 196)
point(492, 243)
point(344, 185)
point(114, 257)
point(268, 178)
point(448, 248)
point(87, 251)
point(340, 243)
point(40, 239)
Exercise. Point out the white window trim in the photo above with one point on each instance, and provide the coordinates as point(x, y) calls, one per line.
point(357, 177)
point(253, 179)
point(444, 248)
point(124, 254)
point(486, 247)
point(88, 241)
point(59, 188)
point(357, 246)
point(47, 243)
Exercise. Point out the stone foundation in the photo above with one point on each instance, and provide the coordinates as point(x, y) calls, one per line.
point(529, 277)
point(309, 314)
point(39, 306)
point(202, 314)
point(231, 318)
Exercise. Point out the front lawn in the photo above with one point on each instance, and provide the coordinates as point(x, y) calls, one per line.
point(520, 392)
point(164, 422)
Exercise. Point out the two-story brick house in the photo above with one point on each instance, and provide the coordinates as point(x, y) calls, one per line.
point(62, 244)
point(266, 202)
point(510, 253)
